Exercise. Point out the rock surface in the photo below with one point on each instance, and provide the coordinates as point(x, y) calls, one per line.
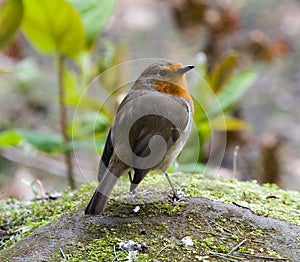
point(203, 219)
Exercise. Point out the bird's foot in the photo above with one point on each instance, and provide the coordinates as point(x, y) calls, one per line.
point(175, 198)
point(132, 195)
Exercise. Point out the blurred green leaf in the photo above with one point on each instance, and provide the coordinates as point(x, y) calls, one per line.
point(11, 13)
point(228, 123)
point(53, 26)
point(236, 87)
point(50, 143)
point(69, 85)
point(223, 71)
point(232, 92)
point(9, 138)
point(211, 109)
point(82, 101)
point(205, 130)
point(75, 97)
point(199, 112)
point(89, 124)
point(95, 14)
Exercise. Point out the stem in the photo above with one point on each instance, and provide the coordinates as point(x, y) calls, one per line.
point(63, 121)
point(235, 155)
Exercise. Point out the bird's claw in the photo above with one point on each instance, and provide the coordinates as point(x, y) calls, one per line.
point(175, 198)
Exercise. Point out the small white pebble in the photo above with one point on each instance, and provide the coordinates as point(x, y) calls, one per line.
point(187, 241)
point(136, 209)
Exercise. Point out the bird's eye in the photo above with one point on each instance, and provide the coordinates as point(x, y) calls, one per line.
point(163, 72)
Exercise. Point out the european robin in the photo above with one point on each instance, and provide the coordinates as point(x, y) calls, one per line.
point(151, 126)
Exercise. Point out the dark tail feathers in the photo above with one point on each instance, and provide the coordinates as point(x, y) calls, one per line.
point(97, 204)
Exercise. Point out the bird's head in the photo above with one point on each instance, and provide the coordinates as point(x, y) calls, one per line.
point(167, 77)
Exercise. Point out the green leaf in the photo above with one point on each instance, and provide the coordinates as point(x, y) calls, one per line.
point(236, 87)
point(9, 138)
point(11, 13)
point(77, 98)
point(50, 143)
point(53, 26)
point(83, 102)
point(95, 14)
point(232, 92)
point(228, 123)
point(222, 72)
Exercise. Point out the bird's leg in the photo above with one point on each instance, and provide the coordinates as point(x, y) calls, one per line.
point(175, 196)
point(133, 192)
point(130, 177)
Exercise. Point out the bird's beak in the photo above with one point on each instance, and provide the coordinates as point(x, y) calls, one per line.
point(185, 69)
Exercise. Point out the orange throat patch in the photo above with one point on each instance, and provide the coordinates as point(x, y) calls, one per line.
point(172, 89)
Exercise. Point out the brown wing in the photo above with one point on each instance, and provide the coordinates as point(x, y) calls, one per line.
point(143, 130)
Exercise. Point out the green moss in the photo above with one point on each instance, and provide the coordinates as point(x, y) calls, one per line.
point(267, 200)
point(214, 240)
point(20, 218)
point(211, 238)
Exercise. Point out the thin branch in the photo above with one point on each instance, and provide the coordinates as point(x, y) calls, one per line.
point(263, 257)
point(224, 228)
point(235, 155)
point(165, 247)
point(62, 253)
point(239, 205)
point(237, 246)
point(225, 256)
point(116, 255)
point(63, 121)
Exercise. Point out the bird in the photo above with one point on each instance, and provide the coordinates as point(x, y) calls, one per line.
point(150, 128)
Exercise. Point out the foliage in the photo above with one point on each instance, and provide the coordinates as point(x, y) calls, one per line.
point(50, 143)
point(216, 96)
point(65, 29)
point(94, 15)
point(69, 30)
point(11, 13)
point(53, 26)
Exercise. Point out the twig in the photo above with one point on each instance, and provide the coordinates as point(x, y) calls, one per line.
point(238, 230)
point(238, 205)
point(224, 229)
point(63, 120)
point(62, 253)
point(263, 257)
point(116, 255)
point(237, 246)
point(162, 249)
point(225, 256)
point(235, 154)
point(218, 234)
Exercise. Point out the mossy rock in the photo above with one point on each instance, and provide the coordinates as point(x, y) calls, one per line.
point(258, 223)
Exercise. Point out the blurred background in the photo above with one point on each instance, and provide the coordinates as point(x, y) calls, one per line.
point(245, 85)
